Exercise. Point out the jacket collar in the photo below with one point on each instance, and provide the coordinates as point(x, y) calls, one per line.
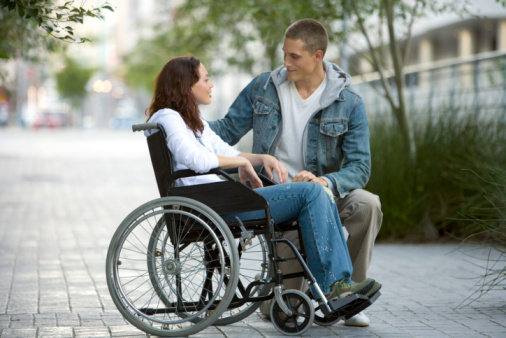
point(337, 80)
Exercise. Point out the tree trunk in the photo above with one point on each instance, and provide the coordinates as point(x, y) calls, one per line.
point(401, 111)
point(404, 126)
point(402, 115)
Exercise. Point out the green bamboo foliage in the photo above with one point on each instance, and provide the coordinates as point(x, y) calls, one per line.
point(428, 199)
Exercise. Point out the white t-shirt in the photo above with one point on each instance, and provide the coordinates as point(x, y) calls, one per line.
point(188, 151)
point(296, 114)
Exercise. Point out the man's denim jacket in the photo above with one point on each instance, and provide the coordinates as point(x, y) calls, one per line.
point(336, 142)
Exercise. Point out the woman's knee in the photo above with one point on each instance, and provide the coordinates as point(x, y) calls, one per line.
point(309, 187)
point(315, 191)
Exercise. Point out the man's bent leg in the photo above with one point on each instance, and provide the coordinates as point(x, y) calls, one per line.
point(291, 266)
point(361, 215)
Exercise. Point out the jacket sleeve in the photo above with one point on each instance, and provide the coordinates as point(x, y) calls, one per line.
point(239, 118)
point(356, 168)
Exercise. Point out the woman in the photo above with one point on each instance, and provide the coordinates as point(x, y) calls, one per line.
point(182, 85)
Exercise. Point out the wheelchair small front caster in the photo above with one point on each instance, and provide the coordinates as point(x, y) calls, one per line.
point(300, 317)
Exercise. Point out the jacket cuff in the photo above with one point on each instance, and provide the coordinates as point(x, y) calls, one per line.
point(330, 185)
point(335, 187)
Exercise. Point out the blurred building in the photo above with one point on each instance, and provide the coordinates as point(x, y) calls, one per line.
point(454, 62)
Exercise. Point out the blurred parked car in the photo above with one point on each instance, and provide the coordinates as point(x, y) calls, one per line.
point(51, 120)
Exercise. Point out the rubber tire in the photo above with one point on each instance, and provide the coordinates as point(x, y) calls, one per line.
point(278, 317)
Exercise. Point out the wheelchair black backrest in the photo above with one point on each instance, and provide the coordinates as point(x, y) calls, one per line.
point(161, 160)
point(225, 197)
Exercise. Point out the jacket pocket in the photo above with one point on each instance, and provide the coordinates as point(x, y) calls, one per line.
point(260, 107)
point(266, 119)
point(332, 133)
point(334, 128)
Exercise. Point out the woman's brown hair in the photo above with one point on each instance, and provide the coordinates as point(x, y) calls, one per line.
point(173, 89)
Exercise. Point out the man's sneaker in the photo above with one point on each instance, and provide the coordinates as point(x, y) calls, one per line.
point(360, 320)
point(344, 288)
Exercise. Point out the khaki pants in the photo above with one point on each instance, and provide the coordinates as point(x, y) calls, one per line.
point(361, 216)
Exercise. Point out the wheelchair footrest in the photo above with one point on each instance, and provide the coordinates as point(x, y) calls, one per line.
point(349, 306)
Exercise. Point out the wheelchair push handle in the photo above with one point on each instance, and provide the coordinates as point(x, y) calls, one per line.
point(144, 126)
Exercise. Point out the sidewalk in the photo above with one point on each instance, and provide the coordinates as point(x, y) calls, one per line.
point(63, 193)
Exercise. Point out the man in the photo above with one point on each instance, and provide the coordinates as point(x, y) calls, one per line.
point(304, 114)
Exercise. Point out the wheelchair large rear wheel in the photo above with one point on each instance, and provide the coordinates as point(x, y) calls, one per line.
point(172, 267)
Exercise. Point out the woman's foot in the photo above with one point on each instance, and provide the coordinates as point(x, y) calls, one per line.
point(344, 288)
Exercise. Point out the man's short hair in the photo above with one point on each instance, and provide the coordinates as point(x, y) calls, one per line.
point(311, 32)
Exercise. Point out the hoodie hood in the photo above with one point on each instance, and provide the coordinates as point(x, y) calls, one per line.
point(337, 80)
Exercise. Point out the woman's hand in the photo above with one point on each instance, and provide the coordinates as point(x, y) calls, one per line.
point(248, 173)
point(245, 167)
point(271, 164)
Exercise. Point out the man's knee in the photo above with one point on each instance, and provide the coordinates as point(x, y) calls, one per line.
point(361, 209)
point(367, 198)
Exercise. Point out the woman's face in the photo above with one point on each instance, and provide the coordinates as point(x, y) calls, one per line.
point(202, 89)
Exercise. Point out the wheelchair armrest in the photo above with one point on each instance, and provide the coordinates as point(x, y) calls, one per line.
point(231, 170)
point(186, 173)
point(265, 180)
point(221, 172)
point(189, 173)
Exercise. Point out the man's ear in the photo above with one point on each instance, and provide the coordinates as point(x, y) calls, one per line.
point(318, 55)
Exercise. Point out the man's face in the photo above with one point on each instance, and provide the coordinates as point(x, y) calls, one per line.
point(299, 63)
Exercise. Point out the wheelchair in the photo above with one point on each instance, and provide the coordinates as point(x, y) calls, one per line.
point(175, 266)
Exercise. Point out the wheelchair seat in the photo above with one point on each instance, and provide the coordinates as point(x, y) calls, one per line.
point(229, 196)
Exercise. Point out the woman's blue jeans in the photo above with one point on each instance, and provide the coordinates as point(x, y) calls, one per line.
point(322, 233)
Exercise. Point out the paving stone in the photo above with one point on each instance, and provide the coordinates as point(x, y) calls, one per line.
point(55, 332)
point(45, 319)
point(23, 320)
point(67, 319)
point(113, 319)
point(17, 333)
point(91, 332)
point(239, 330)
point(4, 321)
point(125, 331)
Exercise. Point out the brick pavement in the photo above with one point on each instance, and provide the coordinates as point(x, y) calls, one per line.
point(62, 194)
